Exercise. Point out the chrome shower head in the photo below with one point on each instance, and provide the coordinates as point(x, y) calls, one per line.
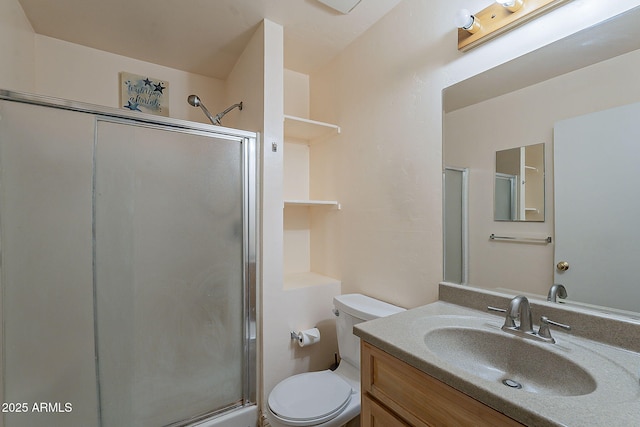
point(195, 101)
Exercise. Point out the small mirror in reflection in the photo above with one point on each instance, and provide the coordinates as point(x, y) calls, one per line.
point(519, 184)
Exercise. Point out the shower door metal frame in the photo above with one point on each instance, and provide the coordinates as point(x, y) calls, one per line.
point(250, 176)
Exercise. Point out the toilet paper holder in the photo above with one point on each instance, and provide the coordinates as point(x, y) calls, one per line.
point(306, 337)
point(296, 335)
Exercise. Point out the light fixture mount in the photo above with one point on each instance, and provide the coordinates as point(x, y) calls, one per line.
point(502, 16)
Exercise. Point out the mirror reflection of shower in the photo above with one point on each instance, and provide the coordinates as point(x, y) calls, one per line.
point(195, 101)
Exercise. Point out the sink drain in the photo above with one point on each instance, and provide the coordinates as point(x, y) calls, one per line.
point(511, 383)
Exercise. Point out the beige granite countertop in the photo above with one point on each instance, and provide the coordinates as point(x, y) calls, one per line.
point(615, 402)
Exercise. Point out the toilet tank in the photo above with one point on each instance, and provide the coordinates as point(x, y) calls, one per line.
point(352, 309)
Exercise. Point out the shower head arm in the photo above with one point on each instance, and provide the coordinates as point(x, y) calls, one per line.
point(194, 101)
point(219, 116)
point(215, 120)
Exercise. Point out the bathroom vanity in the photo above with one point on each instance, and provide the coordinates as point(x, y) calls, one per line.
point(452, 363)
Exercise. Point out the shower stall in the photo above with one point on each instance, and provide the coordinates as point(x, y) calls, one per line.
point(128, 267)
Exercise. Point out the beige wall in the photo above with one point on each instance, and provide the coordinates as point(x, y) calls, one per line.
point(16, 48)
point(296, 94)
point(384, 91)
point(70, 71)
point(526, 117)
point(46, 66)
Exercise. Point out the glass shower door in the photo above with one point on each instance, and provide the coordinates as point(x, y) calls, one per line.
point(168, 230)
point(48, 366)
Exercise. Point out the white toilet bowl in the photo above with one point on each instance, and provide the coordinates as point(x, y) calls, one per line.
point(319, 399)
point(328, 398)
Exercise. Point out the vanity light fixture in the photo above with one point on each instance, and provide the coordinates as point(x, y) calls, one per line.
point(497, 18)
point(511, 5)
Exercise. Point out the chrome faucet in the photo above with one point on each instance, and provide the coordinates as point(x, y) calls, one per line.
point(557, 290)
point(519, 309)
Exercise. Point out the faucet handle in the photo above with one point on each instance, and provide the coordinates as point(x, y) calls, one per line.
point(545, 331)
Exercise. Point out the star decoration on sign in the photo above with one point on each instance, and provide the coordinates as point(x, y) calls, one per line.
point(147, 82)
point(158, 87)
point(133, 106)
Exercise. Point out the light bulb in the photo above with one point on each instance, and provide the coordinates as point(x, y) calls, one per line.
point(511, 5)
point(465, 20)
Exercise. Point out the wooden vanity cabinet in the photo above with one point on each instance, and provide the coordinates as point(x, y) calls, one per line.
point(397, 394)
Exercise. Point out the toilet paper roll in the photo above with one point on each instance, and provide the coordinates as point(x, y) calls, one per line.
point(308, 337)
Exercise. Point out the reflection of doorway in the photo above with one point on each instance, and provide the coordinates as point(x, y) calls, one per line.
point(506, 199)
point(455, 224)
point(597, 200)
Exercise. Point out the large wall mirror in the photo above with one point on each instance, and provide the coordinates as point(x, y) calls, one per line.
point(591, 72)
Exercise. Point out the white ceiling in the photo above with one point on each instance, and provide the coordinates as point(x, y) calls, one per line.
point(203, 36)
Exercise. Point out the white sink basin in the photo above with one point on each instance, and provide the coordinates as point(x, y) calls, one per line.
point(571, 368)
point(510, 360)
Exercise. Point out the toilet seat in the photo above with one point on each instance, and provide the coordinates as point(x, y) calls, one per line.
point(310, 398)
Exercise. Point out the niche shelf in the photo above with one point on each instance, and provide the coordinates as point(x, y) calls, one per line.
point(300, 135)
point(310, 203)
point(306, 129)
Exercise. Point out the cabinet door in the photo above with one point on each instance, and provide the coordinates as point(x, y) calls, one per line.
point(375, 415)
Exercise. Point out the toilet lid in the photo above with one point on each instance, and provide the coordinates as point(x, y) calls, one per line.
point(312, 396)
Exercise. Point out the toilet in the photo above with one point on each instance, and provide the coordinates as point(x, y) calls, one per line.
point(329, 398)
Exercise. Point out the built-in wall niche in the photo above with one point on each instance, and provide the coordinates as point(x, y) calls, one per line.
point(303, 212)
